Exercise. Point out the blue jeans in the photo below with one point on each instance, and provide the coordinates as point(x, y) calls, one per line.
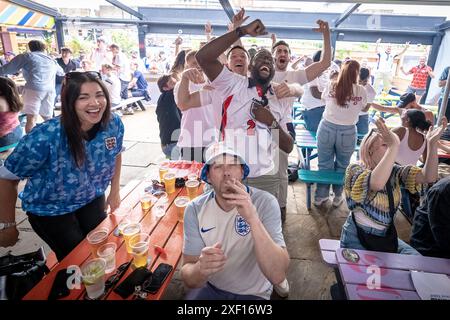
point(312, 118)
point(349, 238)
point(417, 91)
point(210, 292)
point(335, 146)
point(124, 89)
point(141, 93)
point(171, 151)
point(362, 127)
point(12, 137)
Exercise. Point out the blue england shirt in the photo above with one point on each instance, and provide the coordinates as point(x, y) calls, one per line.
point(55, 184)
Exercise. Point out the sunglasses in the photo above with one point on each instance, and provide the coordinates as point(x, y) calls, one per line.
point(77, 74)
point(112, 280)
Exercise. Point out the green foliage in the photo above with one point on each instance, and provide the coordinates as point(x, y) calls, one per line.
point(76, 45)
point(123, 39)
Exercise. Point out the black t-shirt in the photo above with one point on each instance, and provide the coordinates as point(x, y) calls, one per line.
point(71, 66)
point(431, 227)
point(169, 117)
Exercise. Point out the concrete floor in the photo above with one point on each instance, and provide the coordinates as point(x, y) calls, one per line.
point(308, 276)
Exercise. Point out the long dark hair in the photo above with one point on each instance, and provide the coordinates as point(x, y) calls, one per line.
point(8, 90)
point(343, 87)
point(69, 119)
point(178, 65)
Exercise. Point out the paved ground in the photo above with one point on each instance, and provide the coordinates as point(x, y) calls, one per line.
point(308, 276)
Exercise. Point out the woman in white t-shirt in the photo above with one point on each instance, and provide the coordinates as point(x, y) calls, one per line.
point(362, 126)
point(336, 136)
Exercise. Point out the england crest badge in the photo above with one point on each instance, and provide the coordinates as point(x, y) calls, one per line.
point(110, 143)
point(241, 226)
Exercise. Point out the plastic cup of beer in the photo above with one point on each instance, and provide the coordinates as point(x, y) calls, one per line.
point(108, 252)
point(169, 181)
point(93, 277)
point(192, 176)
point(181, 203)
point(97, 238)
point(146, 201)
point(162, 171)
point(129, 231)
point(160, 207)
point(139, 244)
point(192, 188)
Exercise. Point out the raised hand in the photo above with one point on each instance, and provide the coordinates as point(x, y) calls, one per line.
point(193, 75)
point(212, 260)
point(389, 137)
point(239, 197)
point(208, 28)
point(433, 135)
point(323, 27)
point(378, 41)
point(255, 28)
point(178, 41)
point(273, 36)
point(239, 18)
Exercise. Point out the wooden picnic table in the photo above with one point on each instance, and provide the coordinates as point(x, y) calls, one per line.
point(395, 272)
point(165, 232)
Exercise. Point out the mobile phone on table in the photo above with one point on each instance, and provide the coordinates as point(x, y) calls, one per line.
point(59, 288)
point(159, 276)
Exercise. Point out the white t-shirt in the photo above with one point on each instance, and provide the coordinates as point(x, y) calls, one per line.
point(347, 114)
point(370, 92)
point(205, 224)
point(250, 138)
point(308, 100)
point(198, 126)
point(385, 61)
point(291, 77)
point(112, 83)
point(125, 71)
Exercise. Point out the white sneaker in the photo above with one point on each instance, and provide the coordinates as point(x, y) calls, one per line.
point(282, 289)
point(320, 201)
point(337, 201)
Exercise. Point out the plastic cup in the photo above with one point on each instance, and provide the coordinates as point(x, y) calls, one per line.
point(192, 188)
point(97, 238)
point(160, 207)
point(139, 244)
point(162, 171)
point(169, 181)
point(146, 201)
point(108, 252)
point(192, 176)
point(181, 203)
point(122, 211)
point(130, 230)
point(93, 277)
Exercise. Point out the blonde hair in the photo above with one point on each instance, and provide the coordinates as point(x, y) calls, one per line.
point(364, 154)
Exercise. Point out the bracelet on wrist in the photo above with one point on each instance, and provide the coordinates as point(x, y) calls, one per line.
point(239, 32)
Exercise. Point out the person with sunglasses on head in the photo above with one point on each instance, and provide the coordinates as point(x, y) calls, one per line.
point(69, 162)
point(372, 189)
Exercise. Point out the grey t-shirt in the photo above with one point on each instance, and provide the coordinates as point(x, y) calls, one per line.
point(206, 224)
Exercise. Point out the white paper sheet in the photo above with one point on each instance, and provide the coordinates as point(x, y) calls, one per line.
point(431, 286)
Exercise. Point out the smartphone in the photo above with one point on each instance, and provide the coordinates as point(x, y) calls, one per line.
point(59, 287)
point(159, 276)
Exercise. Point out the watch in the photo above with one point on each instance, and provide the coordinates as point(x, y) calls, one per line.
point(6, 225)
point(274, 124)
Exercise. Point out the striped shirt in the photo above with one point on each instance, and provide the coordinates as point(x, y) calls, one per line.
point(375, 204)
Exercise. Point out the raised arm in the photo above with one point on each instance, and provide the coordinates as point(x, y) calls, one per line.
point(315, 69)
point(382, 171)
point(404, 49)
point(429, 172)
point(207, 57)
point(185, 99)
point(377, 46)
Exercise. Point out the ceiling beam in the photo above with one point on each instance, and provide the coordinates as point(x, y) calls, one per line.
point(386, 2)
point(227, 8)
point(126, 8)
point(346, 14)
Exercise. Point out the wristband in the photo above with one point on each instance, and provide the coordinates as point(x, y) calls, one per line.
point(239, 32)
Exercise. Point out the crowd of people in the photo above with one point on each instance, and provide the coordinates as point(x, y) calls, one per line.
point(230, 108)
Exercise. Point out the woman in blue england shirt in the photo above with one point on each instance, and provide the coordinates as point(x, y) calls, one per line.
point(69, 162)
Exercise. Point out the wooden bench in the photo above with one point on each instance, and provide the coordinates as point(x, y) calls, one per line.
point(328, 249)
point(130, 102)
point(165, 232)
point(326, 177)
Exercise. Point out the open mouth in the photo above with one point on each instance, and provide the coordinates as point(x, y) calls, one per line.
point(282, 60)
point(93, 112)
